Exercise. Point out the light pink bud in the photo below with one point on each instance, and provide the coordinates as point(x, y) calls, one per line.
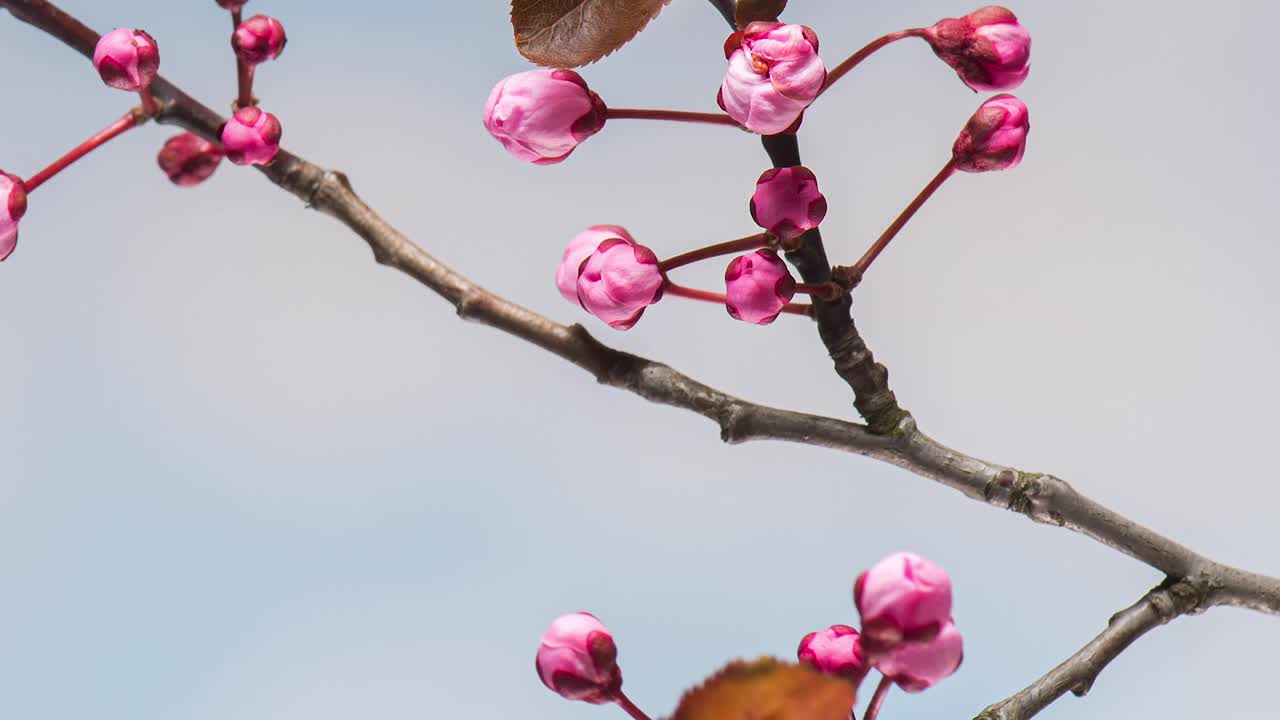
point(540, 116)
point(231, 4)
point(904, 598)
point(127, 59)
point(578, 659)
point(188, 159)
point(251, 137)
point(787, 202)
point(988, 48)
point(13, 205)
point(757, 287)
point(258, 39)
point(619, 279)
point(995, 137)
point(774, 74)
point(578, 250)
point(920, 666)
point(835, 650)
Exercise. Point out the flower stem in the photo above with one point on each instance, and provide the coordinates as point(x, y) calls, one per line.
point(751, 242)
point(673, 115)
point(131, 119)
point(882, 691)
point(826, 291)
point(865, 262)
point(244, 79)
point(149, 104)
point(713, 297)
point(853, 60)
point(625, 703)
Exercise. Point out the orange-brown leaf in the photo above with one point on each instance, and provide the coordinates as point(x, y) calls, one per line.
point(767, 688)
point(751, 10)
point(569, 33)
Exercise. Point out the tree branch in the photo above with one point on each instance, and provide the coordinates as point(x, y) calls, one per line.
point(1078, 672)
point(727, 8)
point(1196, 582)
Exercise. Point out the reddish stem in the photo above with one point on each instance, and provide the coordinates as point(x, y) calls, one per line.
point(751, 242)
point(625, 703)
point(149, 104)
point(853, 60)
point(882, 691)
point(673, 115)
point(235, 19)
point(244, 78)
point(131, 119)
point(820, 290)
point(865, 262)
point(713, 297)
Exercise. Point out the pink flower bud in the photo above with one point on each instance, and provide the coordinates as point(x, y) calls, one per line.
point(619, 280)
point(988, 48)
point(757, 287)
point(578, 660)
point(258, 39)
point(995, 137)
point(127, 59)
point(251, 137)
point(232, 5)
point(540, 116)
point(188, 159)
point(920, 666)
point(774, 74)
point(835, 650)
point(578, 250)
point(787, 202)
point(902, 598)
point(13, 205)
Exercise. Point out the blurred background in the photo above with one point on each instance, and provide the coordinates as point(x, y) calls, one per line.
point(245, 472)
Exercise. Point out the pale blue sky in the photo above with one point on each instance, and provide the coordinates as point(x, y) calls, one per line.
point(249, 474)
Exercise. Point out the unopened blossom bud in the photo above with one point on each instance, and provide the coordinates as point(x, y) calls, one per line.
point(258, 39)
point(578, 250)
point(774, 74)
point(188, 159)
point(619, 279)
point(787, 202)
point(540, 116)
point(578, 659)
point(757, 287)
point(835, 650)
point(127, 59)
point(251, 137)
point(904, 598)
point(988, 48)
point(995, 137)
point(232, 5)
point(13, 205)
point(917, 667)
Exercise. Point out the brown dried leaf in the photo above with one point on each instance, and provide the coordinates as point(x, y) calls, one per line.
point(767, 688)
point(751, 10)
point(569, 33)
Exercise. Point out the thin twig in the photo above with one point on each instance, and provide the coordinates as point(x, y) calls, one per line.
point(1078, 673)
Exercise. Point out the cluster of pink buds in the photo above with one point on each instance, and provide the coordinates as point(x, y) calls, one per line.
point(907, 630)
point(610, 275)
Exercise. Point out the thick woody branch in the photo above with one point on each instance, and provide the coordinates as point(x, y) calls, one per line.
point(1197, 583)
point(1078, 673)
